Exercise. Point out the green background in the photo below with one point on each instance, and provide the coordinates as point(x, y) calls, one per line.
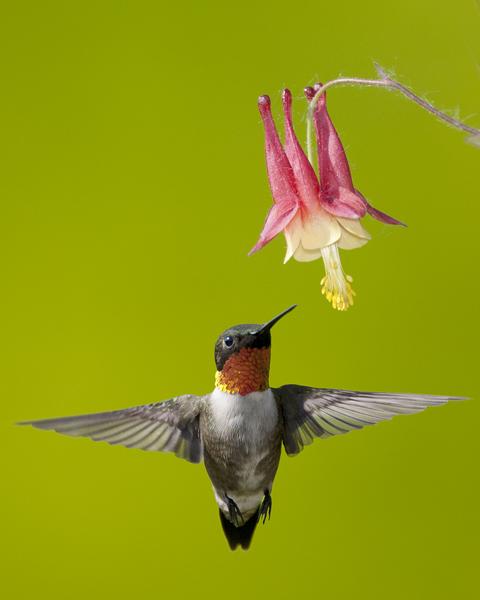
point(132, 187)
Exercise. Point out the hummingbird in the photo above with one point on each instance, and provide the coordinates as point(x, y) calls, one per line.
point(239, 428)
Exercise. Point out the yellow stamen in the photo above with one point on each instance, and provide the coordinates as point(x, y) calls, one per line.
point(336, 286)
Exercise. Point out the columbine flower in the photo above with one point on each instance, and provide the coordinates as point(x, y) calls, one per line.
point(317, 217)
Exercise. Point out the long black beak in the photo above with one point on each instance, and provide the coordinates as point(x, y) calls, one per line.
point(272, 322)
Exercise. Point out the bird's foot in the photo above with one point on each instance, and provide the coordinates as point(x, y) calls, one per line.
point(234, 512)
point(266, 507)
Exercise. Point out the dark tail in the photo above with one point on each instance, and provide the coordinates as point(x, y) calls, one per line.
point(239, 536)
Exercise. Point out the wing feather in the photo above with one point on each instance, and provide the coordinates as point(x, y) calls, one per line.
point(319, 412)
point(170, 426)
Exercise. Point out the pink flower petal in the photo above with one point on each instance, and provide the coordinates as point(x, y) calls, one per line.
point(383, 217)
point(276, 221)
point(280, 173)
point(332, 161)
point(379, 215)
point(305, 177)
point(345, 203)
point(339, 196)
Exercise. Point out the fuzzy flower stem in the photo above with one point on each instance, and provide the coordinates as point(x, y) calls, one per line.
point(387, 82)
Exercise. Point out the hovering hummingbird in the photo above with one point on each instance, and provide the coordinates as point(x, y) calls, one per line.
point(238, 429)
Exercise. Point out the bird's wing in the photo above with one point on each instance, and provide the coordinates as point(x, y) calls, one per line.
point(170, 426)
point(316, 412)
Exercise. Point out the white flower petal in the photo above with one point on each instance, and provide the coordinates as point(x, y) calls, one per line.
point(354, 227)
point(319, 230)
point(348, 241)
point(303, 255)
point(293, 233)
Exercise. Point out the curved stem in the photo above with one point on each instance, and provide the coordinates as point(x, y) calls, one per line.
point(386, 82)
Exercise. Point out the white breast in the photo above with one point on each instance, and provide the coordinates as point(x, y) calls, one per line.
point(252, 417)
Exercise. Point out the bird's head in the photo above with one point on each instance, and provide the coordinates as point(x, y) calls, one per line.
point(242, 357)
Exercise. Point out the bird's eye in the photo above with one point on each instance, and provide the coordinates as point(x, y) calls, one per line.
point(228, 341)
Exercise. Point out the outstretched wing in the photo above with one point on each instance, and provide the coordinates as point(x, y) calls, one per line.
point(316, 412)
point(170, 426)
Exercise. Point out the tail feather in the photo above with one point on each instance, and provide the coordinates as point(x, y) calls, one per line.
point(239, 536)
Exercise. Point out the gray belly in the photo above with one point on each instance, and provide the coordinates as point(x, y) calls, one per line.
point(233, 466)
point(242, 446)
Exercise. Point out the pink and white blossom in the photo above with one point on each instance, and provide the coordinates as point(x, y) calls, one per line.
point(318, 215)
